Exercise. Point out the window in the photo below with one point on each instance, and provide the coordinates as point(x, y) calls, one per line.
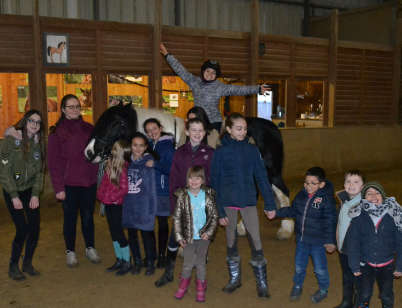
point(14, 98)
point(310, 103)
point(128, 88)
point(58, 85)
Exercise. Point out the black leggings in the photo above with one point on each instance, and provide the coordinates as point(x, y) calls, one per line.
point(113, 216)
point(82, 199)
point(27, 226)
point(148, 239)
point(163, 234)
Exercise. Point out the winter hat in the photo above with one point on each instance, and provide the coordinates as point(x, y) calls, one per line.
point(211, 64)
point(377, 186)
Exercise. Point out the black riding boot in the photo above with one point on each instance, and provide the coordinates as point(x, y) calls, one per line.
point(14, 272)
point(168, 274)
point(234, 269)
point(260, 273)
point(28, 268)
point(136, 269)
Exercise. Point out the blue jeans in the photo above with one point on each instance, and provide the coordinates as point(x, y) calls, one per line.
point(318, 255)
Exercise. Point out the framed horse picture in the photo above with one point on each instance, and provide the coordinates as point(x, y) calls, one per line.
point(55, 49)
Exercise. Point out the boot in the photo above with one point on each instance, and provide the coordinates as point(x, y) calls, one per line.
point(150, 270)
point(161, 263)
point(124, 268)
point(201, 286)
point(234, 268)
point(14, 272)
point(260, 273)
point(183, 287)
point(116, 266)
point(346, 303)
point(28, 268)
point(136, 269)
point(168, 274)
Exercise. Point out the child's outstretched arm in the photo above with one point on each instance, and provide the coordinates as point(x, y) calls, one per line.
point(177, 67)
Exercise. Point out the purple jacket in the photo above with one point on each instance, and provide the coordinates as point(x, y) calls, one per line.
point(183, 159)
point(65, 155)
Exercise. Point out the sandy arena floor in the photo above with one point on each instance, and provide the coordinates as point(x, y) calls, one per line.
point(90, 286)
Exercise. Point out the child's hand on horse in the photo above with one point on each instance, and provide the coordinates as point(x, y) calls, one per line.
point(182, 243)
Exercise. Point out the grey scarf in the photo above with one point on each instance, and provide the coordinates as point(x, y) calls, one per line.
point(390, 207)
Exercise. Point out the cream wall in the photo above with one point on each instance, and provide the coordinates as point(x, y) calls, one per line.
point(342, 148)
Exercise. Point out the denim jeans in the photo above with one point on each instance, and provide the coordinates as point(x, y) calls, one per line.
point(318, 255)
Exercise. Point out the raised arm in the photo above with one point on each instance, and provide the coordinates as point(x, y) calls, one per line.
point(177, 67)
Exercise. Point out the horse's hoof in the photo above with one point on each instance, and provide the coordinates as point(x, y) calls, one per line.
point(283, 235)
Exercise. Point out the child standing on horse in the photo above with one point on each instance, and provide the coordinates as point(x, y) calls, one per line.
point(236, 167)
point(111, 192)
point(207, 90)
point(194, 152)
point(163, 144)
point(139, 206)
point(195, 220)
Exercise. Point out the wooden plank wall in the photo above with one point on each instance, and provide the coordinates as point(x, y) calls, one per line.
point(364, 74)
point(363, 87)
point(400, 96)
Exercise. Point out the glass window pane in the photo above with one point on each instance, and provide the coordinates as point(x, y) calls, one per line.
point(14, 98)
point(128, 88)
point(310, 103)
point(58, 85)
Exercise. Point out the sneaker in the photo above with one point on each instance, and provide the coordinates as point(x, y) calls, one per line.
point(295, 293)
point(71, 258)
point(319, 295)
point(92, 255)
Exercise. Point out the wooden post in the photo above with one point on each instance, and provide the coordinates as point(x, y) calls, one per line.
point(251, 102)
point(329, 106)
point(291, 91)
point(396, 76)
point(37, 80)
point(99, 81)
point(156, 83)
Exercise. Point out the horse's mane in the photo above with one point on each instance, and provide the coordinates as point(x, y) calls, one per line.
point(119, 112)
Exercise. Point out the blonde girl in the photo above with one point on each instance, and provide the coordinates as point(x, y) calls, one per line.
point(111, 192)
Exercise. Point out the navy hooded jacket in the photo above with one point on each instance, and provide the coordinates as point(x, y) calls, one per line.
point(315, 216)
point(165, 149)
point(236, 167)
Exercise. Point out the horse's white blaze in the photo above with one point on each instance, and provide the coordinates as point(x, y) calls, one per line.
point(171, 124)
point(89, 148)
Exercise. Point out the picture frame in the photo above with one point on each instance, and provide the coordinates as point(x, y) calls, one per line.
point(56, 49)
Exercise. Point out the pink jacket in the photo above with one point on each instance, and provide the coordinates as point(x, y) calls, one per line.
point(109, 193)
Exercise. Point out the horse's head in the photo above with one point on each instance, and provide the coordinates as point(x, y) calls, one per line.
point(118, 122)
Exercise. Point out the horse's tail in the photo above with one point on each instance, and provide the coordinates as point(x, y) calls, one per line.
point(48, 50)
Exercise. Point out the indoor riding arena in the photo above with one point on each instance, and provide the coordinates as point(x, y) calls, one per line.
point(334, 72)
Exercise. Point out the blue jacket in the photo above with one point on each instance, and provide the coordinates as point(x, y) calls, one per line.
point(366, 244)
point(165, 149)
point(236, 167)
point(139, 205)
point(315, 217)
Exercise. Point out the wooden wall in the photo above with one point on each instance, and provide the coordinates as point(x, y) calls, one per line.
point(364, 72)
point(364, 87)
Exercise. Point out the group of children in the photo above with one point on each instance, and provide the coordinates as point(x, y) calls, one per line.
point(208, 187)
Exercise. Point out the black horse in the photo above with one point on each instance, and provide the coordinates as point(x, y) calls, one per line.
point(121, 122)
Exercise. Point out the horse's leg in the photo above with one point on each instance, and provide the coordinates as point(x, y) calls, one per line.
point(287, 225)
